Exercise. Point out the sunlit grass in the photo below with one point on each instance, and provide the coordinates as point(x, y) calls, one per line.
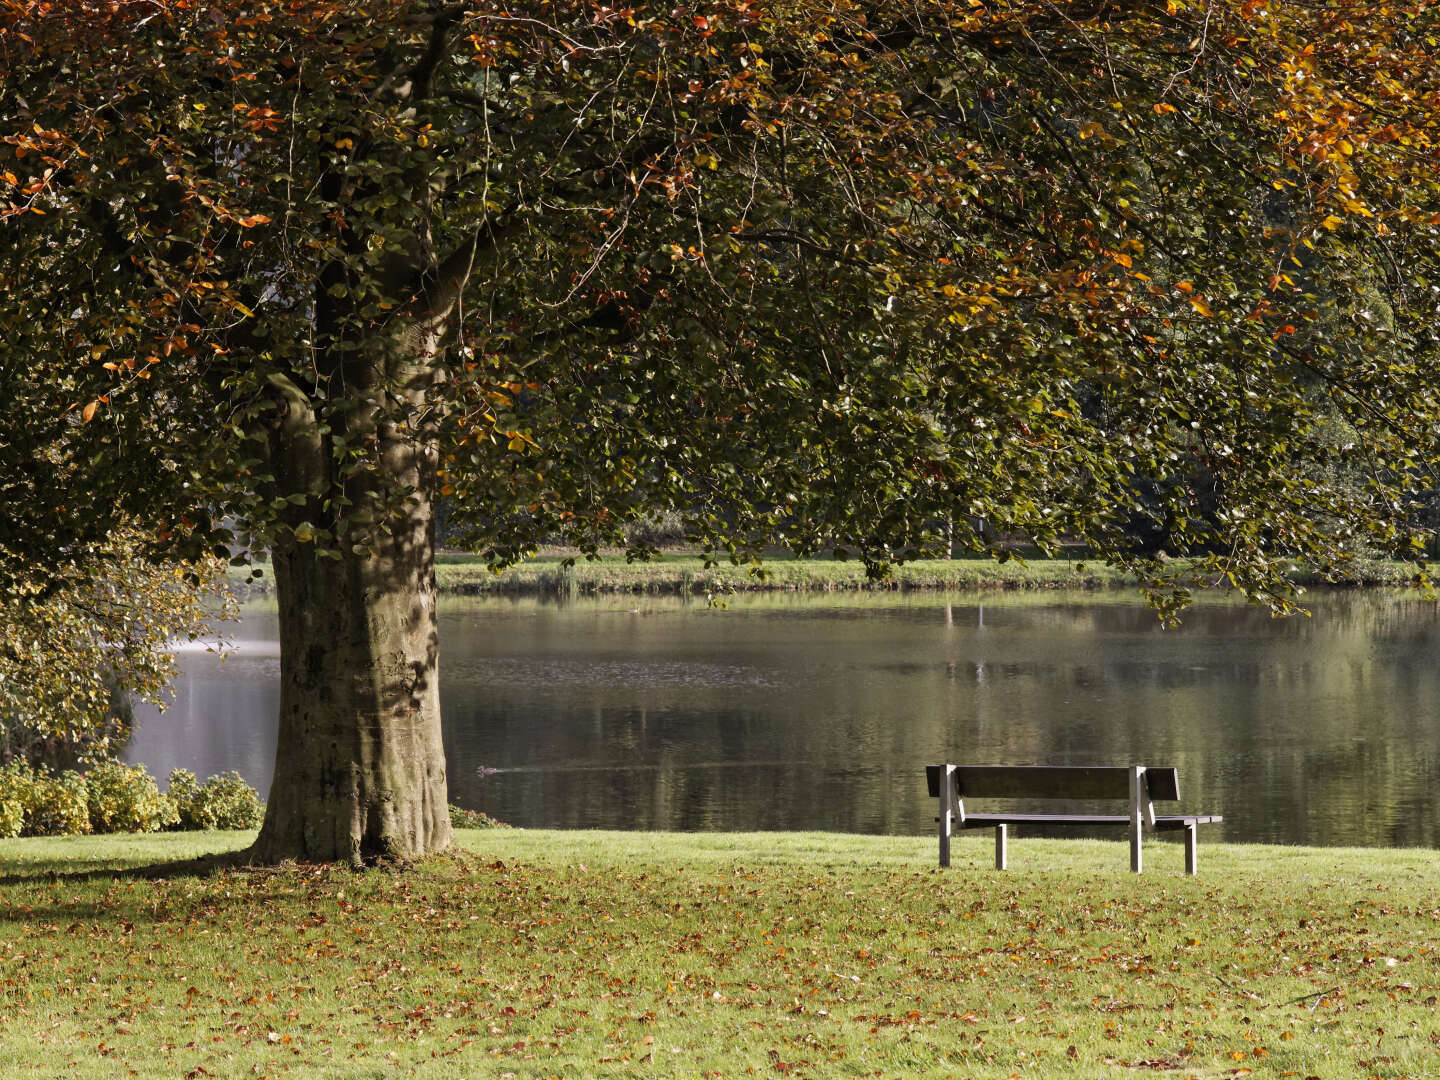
point(581, 954)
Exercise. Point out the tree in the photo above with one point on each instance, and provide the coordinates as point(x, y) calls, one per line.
point(74, 650)
point(801, 272)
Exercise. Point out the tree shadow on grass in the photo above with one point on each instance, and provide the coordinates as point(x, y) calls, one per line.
point(241, 861)
point(99, 870)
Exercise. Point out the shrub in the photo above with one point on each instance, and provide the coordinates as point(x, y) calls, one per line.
point(225, 801)
point(127, 799)
point(60, 805)
point(34, 802)
point(12, 803)
point(460, 818)
point(118, 798)
point(181, 787)
point(12, 816)
point(14, 794)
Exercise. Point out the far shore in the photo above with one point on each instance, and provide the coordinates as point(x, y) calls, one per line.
point(684, 573)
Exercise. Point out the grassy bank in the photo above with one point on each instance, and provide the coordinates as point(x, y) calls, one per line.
point(536, 954)
point(685, 574)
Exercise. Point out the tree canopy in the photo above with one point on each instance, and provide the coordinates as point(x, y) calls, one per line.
point(806, 273)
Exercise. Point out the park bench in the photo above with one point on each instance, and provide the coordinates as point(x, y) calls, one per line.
point(1138, 785)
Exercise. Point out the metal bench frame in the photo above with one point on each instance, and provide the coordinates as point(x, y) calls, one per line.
point(1140, 785)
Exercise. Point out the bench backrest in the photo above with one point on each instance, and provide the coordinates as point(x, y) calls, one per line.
point(1053, 782)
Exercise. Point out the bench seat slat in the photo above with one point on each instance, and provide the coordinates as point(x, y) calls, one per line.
point(1162, 821)
point(1054, 782)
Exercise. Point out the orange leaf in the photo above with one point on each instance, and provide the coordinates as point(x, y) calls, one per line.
point(88, 413)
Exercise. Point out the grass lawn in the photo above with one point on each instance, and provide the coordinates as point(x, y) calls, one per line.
point(577, 954)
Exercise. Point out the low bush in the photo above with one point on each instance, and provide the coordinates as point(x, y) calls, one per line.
point(113, 797)
point(60, 804)
point(125, 798)
point(34, 802)
point(460, 818)
point(225, 801)
point(12, 813)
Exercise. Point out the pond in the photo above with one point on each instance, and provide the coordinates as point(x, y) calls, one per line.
point(819, 712)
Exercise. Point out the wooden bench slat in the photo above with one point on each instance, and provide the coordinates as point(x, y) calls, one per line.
point(978, 821)
point(1162, 821)
point(1054, 781)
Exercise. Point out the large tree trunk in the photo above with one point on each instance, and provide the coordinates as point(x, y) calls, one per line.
point(360, 763)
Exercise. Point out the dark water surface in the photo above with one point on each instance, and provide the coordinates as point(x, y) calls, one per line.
point(820, 712)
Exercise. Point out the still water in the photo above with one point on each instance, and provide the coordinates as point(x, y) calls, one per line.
point(786, 712)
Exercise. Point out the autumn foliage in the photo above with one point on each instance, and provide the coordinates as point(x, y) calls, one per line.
point(823, 274)
point(976, 233)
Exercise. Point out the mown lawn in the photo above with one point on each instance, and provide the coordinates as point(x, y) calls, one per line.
point(576, 954)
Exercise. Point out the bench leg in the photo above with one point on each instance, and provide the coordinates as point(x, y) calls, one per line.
point(1190, 861)
point(1137, 779)
point(947, 811)
point(1001, 832)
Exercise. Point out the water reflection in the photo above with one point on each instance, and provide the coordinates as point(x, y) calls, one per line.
point(817, 712)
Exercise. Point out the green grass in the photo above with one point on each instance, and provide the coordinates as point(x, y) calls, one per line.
point(579, 954)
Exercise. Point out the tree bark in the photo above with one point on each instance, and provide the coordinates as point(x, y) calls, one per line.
point(360, 762)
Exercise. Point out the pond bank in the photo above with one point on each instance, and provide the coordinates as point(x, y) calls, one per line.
point(684, 573)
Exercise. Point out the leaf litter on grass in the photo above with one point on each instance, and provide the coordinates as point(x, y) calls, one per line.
point(502, 962)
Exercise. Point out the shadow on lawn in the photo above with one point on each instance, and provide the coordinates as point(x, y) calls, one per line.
point(99, 870)
point(208, 866)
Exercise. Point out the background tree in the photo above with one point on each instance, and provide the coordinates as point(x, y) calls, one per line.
point(800, 272)
point(74, 651)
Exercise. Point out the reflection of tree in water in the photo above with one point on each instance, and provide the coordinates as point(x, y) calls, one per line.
point(1306, 730)
point(796, 714)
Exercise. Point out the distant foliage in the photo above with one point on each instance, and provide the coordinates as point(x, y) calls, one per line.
point(460, 818)
point(113, 797)
point(225, 801)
